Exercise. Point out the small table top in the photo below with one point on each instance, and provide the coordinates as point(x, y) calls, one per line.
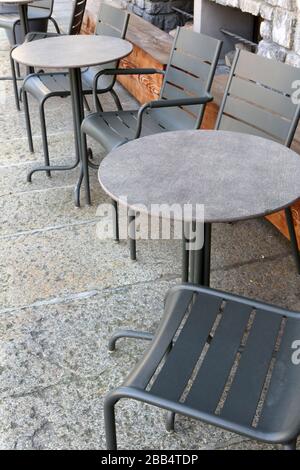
point(236, 176)
point(72, 51)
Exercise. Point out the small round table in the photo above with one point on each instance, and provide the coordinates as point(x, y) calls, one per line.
point(235, 176)
point(73, 53)
point(23, 12)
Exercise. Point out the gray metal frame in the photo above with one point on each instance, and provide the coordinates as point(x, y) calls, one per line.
point(245, 382)
point(257, 100)
point(107, 17)
point(187, 82)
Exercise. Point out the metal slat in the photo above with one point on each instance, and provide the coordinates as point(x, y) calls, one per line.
point(267, 122)
point(229, 124)
point(174, 118)
point(244, 394)
point(262, 96)
point(281, 408)
point(187, 82)
point(112, 16)
point(191, 64)
point(197, 44)
point(219, 359)
point(117, 121)
point(272, 73)
point(186, 351)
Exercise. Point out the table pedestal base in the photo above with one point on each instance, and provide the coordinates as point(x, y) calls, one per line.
point(195, 270)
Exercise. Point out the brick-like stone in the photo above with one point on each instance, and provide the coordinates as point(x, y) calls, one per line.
point(266, 11)
point(283, 24)
point(271, 50)
point(250, 6)
point(296, 46)
point(293, 59)
point(266, 30)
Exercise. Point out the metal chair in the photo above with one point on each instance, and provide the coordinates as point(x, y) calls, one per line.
point(184, 94)
point(258, 101)
point(74, 28)
point(42, 86)
point(222, 359)
point(39, 13)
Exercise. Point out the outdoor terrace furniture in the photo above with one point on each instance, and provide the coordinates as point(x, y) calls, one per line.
point(258, 101)
point(222, 359)
point(72, 53)
point(195, 170)
point(32, 15)
point(184, 94)
point(112, 22)
point(74, 28)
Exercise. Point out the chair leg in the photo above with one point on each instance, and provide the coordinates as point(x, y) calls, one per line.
point(170, 421)
point(15, 83)
point(55, 24)
point(293, 237)
point(116, 221)
point(44, 135)
point(110, 422)
point(142, 335)
point(290, 445)
point(27, 120)
point(132, 240)
point(116, 99)
point(85, 167)
point(86, 103)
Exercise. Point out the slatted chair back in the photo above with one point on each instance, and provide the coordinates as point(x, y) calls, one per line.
point(45, 7)
point(77, 17)
point(112, 21)
point(189, 74)
point(258, 99)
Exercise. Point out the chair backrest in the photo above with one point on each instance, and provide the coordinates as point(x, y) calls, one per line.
point(258, 98)
point(77, 17)
point(45, 7)
point(189, 74)
point(112, 21)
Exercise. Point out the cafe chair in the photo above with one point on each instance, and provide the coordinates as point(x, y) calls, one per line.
point(258, 101)
point(42, 86)
point(224, 360)
point(39, 13)
point(74, 28)
point(181, 105)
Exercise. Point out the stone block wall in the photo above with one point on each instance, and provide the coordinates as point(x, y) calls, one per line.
point(280, 28)
point(159, 12)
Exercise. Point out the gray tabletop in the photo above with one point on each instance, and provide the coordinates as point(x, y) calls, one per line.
point(236, 176)
point(72, 51)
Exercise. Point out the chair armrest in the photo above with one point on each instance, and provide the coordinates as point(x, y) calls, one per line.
point(121, 72)
point(206, 98)
point(33, 36)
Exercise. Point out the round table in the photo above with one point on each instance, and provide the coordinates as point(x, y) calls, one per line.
point(73, 53)
point(23, 12)
point(234, 176)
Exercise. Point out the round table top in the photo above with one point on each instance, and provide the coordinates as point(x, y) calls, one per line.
point(16, 2)
point(235, 176)
point(72, 51)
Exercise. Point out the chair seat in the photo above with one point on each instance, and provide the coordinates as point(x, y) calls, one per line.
point(231, 364)
point(116, 128)
point(44, 85)
point(7, 20)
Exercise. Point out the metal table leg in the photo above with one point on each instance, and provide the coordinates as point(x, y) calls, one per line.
point(75, 113)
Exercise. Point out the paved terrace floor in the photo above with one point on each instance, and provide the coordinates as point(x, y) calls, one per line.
point(64, 291)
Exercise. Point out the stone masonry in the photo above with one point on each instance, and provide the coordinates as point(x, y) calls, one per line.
point(280, 28)
point(160, 12)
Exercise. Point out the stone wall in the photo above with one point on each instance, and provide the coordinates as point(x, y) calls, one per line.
point(159, 12)
point(280, 28)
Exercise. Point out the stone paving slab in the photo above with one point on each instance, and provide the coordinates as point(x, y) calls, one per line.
point(63, 292)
